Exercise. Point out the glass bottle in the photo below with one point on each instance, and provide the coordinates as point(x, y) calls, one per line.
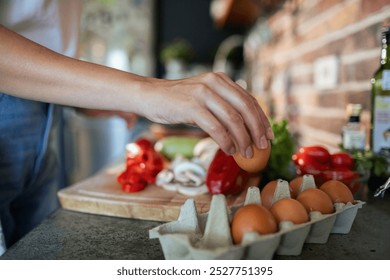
point(380, 110)
point(354, 134)
point(380, 101)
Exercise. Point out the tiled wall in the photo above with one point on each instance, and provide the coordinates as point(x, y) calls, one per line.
point(311, 58)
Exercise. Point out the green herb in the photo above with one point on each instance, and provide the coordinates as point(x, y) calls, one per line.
point(283, 147)
point(367, 160)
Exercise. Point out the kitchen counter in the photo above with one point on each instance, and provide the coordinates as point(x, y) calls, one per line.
point(73, 235)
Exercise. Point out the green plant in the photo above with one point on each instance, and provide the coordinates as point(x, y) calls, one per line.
point(367, 160)
point(177, 49)
point(283, 147)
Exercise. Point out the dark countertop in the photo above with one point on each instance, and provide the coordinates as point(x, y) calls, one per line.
point(71, 235)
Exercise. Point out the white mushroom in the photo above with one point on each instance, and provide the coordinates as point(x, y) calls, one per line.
point(164, 176)
point(189, 171)
point(205, 151)
point(184, 176)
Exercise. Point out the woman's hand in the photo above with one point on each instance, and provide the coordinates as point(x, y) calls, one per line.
point(216, 104)
point(212, 101)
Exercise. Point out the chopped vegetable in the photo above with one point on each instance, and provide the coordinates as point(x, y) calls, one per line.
point(224, 176)
point(143, 164)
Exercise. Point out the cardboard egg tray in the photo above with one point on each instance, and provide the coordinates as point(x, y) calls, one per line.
point(207, 235)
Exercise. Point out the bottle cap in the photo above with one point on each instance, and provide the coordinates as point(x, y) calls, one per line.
point(354, 119)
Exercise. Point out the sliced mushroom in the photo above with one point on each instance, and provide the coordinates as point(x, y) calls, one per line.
point(165, 176)
point(192, 190)
point(184, 176)
point(189, 171)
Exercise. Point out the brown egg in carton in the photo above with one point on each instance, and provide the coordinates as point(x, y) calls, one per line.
point(208, 235)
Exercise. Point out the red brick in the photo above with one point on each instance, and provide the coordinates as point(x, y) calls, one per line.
point(334, 99)
point(349, 14)
point(331, 125)
point(284, 25)
point(371, 6)
point(361, 97)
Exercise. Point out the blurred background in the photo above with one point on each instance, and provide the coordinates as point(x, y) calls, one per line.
point(304, 60)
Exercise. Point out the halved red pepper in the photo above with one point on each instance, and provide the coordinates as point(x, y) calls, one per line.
point(312, 159)
point(143, 164)
point(224, 176)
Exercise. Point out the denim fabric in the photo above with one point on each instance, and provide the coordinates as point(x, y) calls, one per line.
point(28, 170)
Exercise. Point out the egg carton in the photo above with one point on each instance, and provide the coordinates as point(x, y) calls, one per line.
point(208, 235)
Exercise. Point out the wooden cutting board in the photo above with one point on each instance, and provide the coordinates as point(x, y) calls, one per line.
point(102, 194)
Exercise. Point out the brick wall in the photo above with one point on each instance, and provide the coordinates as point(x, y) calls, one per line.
point(311, 58)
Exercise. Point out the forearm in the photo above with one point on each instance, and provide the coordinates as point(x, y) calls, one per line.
point(31, 71)
point(211, 101)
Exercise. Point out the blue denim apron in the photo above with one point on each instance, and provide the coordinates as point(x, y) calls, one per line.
point(28, 168)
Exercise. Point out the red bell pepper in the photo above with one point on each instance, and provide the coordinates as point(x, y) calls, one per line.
point(224, 176)
point(312, 158)
point(317, 161)
point(342, 160)
point(143, 164)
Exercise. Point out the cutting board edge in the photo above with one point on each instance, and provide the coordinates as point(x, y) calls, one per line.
point(100, 194)
point(123, 210)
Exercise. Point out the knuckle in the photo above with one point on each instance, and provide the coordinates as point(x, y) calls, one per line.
point(219, 130)
point(222, 74)
point(210, 77)
point(248, 103)
point(225, 143)
point(202, 89)
point(234, 118)
point(221, 137)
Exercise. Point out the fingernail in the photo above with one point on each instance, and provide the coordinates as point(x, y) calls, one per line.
point(258, 143)
point(232, 150)
point(263, 142)
point(249, 152)
point(270, 134)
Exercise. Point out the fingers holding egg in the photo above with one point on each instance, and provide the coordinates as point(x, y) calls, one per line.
point(257, 162)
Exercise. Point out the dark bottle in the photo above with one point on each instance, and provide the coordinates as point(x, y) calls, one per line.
point(380, 108)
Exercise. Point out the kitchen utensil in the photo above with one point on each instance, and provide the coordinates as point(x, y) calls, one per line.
point(382, 189)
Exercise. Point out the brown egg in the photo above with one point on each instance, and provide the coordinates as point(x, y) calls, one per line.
point(288, 209)
point(295, 185)
point(337, 191)
point(316, 200)
point(267, 193)
point(252, 217)
point(257, 162)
